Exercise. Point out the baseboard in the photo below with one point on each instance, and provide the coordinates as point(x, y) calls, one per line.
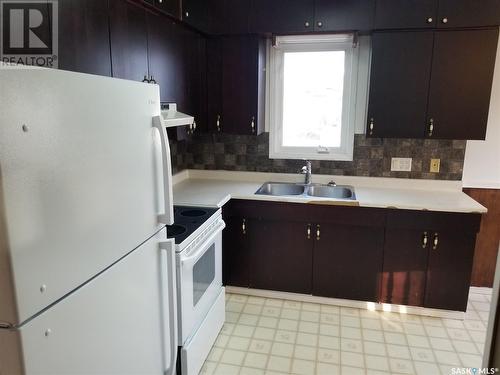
point(423, 311)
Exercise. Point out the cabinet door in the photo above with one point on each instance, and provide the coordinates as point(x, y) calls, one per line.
point(347, 261)
point(129, 40)
point(468, 13)
point(338, 15)
point(281, 16)
point(227, 17)
point(460, 88)
point(195, 13)
point(84, 37)
point(166, 58)
point(405, 14)
point(399, 84)
point(196, 77)
point(215, 122)
point(236, 252)
point(172, 7)
point(449, 270)
point(405, 266)
point(281, 256)
point(240, 84)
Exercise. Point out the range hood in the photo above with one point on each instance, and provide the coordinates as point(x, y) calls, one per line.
point(171, 117)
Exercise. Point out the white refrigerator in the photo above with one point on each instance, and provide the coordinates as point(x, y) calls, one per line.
point(87, 275)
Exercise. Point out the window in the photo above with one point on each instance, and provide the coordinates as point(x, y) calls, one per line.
point(312, 97)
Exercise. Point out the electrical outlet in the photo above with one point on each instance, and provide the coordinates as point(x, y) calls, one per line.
point(401, 164)
point(435, 164)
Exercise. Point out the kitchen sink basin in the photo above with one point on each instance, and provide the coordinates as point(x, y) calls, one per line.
point(326, 191)
point(280, 188)
point(307, 191)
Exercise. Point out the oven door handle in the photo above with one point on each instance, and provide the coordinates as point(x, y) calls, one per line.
point(194, 258)
point(169, 304)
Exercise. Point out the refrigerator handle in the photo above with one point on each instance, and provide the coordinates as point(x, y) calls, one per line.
point(169, 304)
point(167, 217)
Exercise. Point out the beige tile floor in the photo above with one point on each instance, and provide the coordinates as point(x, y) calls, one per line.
point(273, 336)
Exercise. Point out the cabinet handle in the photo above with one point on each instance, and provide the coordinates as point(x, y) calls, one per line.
point(372, 125)
point(307, 24)
point(430, 19)
point(186, 14)
point(244, 226)
point(194, 125)
point(425, 240)
point(444, 20)
point(308, 231)
point(320, 24)
point(435, 243)
point(252, 124)
point(318, 233)
point(218, 123)
point(431, 127)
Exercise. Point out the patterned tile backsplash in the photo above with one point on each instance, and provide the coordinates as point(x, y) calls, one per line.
point(372, 156)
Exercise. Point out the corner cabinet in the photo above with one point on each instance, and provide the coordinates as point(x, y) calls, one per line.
point(431, 84)
point(403, 257)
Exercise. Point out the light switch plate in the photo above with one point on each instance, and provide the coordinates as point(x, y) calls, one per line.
point(435, 165)
point(401, 164)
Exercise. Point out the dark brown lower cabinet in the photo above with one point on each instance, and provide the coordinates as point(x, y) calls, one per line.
point(281, 256)
point(449, 270)
point(347, 261)
point(405, 267)
point(402, 257)
point(235, 252)
point(428, 258)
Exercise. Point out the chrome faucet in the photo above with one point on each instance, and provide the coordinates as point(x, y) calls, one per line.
point(307, 171)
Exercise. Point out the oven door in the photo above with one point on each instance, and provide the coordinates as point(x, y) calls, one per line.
point(199, 280)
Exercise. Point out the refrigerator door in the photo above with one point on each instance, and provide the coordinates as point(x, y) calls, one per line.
point(81, 181)
point(112, 325)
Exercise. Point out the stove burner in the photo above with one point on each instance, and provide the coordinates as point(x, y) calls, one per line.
point(193, 213)
point(175, 230)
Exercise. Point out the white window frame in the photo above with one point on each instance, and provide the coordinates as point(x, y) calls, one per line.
point(310, 43)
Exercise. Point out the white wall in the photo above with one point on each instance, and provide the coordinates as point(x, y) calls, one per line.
point(482, 158)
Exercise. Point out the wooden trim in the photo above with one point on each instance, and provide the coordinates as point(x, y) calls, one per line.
point(488, 238)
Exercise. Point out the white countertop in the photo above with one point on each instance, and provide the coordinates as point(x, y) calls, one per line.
point(215, 188)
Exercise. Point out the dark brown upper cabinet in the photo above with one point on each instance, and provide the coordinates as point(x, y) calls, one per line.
point(84, 37)
point(460, 87)
point(399, 84)
point(420, 14)
point(195, 13)
point(165, 57)
point(243, 82)
point(281, 16)
point(468, 13)
point(343, 15)
point(172, 7)
point(431, 84)
point(228, 17)
point(129, 40)
point(405, 14)
point(236, 84)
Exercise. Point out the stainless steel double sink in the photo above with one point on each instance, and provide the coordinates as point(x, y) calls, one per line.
point(312, 190)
